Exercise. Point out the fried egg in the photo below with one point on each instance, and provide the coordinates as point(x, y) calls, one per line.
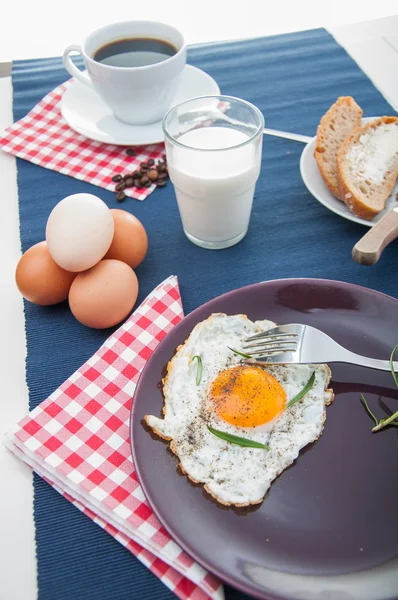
point(244, 400)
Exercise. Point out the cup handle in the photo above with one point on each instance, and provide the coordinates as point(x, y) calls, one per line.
point(71, 67)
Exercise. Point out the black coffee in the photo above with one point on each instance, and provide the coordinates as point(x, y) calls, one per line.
point(134, 52)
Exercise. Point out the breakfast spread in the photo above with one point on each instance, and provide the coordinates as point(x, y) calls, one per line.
point(235, 427)
point(88, 257)
point(359, 163)
point(233, 424)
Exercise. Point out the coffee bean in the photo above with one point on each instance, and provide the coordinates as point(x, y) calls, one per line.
point(120, 186)
point(129, 181)
point(120, 196)
point(161, 183)
point(131, 152)
point(144, 179)
point(162, 176)
point(117, 178)
point(137, 183)
point(153, 174)
point(151, 162)
point(161, 167)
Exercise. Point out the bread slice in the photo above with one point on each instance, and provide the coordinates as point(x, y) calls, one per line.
point(367, 166)
point(335, 126)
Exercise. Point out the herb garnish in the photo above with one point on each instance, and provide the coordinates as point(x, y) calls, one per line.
point(200, 368)
point(392, 419)
point(236, 439)
point(303, 392)
point(240, 353)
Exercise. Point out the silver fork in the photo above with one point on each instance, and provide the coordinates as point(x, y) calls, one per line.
point(301, 344)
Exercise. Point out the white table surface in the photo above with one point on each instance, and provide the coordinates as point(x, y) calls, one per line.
point(29, 31)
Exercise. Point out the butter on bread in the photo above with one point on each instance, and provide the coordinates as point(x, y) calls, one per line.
point(367, 166)
point(335, 126)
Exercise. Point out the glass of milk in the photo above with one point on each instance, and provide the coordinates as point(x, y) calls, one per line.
point(213, 147)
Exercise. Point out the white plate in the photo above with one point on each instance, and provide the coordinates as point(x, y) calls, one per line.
point(318, 188)
point(87, 113)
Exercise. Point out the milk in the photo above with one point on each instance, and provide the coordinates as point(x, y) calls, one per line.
point(215, 184)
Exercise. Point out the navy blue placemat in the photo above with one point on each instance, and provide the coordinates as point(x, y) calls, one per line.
point(293, 79)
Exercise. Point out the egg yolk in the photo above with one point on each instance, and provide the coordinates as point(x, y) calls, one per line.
point(247, 396)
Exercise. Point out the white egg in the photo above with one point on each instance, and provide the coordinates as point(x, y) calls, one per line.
point(79, 232)
point(243, 400)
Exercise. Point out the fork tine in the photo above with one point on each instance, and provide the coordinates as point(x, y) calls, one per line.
point(271, 333)
point(276, 341)
point(282, 358)
point(272, 339)
point(272, 344)
point(271, 352)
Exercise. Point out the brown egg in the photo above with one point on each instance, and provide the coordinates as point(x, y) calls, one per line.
point(39, 279)
point(130, 241)
point(103, 295)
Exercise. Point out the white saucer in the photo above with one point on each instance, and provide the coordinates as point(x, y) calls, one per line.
point(86, 113)
point(318, 188)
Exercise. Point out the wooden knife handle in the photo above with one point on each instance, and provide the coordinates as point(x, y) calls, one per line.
point(368, 249)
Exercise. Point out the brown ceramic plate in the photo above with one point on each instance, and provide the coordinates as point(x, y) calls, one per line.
point(328, 526)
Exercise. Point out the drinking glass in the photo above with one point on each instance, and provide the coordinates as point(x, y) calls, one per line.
point(213, 148)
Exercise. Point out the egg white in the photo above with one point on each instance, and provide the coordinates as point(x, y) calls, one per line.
point(230, 473)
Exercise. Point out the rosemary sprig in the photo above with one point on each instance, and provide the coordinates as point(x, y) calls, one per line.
point(200, 368)
point(375, 419)
point(236, 439)
point(384, 422)
point(392, 419)
point(303, 392)
point(392, 365)
point(240, 353)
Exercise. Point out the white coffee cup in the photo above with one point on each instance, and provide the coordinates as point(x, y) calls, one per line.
point(136, 95)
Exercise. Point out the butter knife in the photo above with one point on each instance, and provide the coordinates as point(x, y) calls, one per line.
point(368, 249)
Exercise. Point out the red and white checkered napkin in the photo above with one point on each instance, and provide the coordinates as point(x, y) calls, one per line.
point(45, 139)
point(78, 440)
